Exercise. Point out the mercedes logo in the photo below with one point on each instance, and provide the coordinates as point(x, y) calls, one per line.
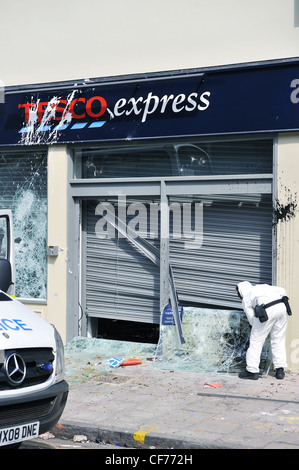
point(15, 369)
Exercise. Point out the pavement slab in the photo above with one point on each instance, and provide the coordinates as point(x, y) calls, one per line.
point(143, 407)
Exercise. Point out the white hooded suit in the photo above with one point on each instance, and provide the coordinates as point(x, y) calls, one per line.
point(275, 325)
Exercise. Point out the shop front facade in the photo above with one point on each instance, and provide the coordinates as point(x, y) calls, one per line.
point(118, 183)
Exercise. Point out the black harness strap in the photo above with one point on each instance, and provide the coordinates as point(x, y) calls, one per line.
point(284, 300)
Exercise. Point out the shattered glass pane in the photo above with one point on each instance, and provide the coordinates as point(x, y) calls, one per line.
point(23, 189)
point(216, 342)
point(87, 358)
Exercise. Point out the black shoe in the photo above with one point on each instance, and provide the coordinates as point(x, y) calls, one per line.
point(280, 373)
point(248, 375)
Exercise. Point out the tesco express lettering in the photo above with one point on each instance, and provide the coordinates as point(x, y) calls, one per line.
point(97, 106)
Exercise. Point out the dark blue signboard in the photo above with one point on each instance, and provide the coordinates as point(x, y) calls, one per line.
point(251, 99)
point(167, 315)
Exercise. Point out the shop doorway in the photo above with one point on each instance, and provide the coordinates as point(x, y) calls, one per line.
point(210, 241)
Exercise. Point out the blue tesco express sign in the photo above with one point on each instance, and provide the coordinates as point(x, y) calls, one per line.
point(232, 100)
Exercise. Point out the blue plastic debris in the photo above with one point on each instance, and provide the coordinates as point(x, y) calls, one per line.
point(115, 361)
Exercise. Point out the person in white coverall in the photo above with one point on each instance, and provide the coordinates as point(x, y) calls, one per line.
point(274, 321)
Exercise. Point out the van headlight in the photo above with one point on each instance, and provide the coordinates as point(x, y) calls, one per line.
point(59, 357)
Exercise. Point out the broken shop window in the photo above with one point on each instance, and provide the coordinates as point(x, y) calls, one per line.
point(23, 189)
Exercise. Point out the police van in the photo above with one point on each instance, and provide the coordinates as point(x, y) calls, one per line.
point(33, 392)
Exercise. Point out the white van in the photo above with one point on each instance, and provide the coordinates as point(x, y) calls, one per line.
point(33, 391)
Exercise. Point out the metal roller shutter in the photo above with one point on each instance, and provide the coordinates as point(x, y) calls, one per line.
point(236, 246)
point(121, 283)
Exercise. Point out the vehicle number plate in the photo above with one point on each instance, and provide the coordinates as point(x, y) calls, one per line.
point(19, 433)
